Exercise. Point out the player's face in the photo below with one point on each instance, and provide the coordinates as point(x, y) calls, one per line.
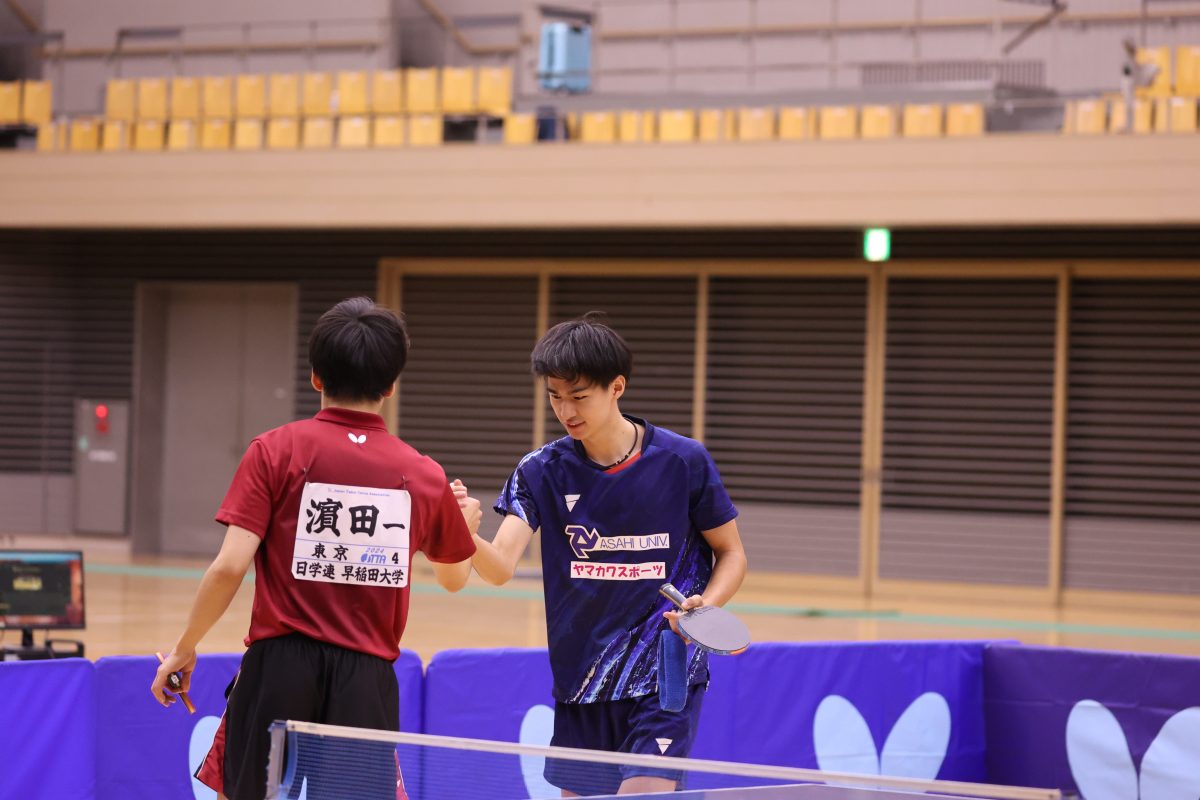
point(584, 408)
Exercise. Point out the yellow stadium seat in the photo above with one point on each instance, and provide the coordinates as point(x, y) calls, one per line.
point(387, 131)
point(1160, 57)
point(716, 125)
point(283, 97)
point(352, 99)
point(598, 127)
point(573, 123)
point(756, 124)
point(214, 134)
point(36, 102)
point(1183, 115)
point(520, 129)
point(119, 98)
point(964, 119)
point(251, 98)
point(49, 137)
point(1187, 70)
point(387, 91)
point(1088, 117)
point(425, 130)
point(495, 90)
point(421, 91)
point(181, 135)
point(838, 122)
point(85, 135)
point(797, 123)
point(318, 95)
point(354, 133)
point(283, 133)
point(677, 126)
point(635, 126)
point(10, 103)
point(458, 90)
point(114, 136)
point(317, 133)
point(1143, 116)
point(922, 121)
point(248, 134)
point(878, 122)
point(185, 98)
point(152, 99)
point(218, 97)
point(148, 136)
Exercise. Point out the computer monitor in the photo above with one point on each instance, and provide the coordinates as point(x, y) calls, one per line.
point(41, 589)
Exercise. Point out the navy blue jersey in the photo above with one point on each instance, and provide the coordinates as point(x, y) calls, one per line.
point(609, 540)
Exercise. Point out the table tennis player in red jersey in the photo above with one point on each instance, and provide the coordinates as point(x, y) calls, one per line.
point(329, 510)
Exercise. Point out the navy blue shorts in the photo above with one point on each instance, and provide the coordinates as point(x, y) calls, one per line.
point(623, 726)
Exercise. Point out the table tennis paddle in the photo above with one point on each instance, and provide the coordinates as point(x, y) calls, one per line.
point(711, 628)
point(175, 684)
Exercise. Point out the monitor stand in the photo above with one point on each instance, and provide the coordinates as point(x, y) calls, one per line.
point(51, 648)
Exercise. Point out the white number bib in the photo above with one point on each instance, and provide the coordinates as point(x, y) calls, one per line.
point(352, 535)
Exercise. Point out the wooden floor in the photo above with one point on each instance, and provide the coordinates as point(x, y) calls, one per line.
point(136, 605)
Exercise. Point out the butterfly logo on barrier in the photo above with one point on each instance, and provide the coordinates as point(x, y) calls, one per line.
point(198, 746)
point(1103, 767)
point(537, 727)
point(915, 747)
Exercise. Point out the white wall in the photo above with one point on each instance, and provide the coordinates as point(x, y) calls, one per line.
point(90, 24)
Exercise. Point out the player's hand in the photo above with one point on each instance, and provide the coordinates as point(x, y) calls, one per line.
point(471, 510)
point(182, 662)
point(695, 601)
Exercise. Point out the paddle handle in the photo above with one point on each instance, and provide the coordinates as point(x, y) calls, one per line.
point(671, 593)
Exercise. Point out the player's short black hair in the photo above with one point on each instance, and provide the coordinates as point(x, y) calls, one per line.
point(582, 348)
point(358, 349)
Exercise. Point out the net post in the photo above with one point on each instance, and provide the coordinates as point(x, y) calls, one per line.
point(275, 758)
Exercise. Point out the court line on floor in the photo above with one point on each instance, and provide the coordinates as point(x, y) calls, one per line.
point(803, 612)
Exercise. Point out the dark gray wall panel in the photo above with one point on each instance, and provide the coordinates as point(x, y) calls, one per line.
point(1133, 442)
point(67, 315)
point(466, 396)
point(784, 415)
point(968, 409)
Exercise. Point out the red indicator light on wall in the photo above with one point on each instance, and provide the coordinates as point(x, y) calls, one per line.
point(101, 418)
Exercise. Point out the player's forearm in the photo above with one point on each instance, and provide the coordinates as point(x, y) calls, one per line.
point(493, 564)
point(217, 590)
point(729, 570)
point(453, 577)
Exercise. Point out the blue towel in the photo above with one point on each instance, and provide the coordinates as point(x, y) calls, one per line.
point(672, 671)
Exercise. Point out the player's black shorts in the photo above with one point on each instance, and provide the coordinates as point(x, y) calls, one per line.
point(625, 726)
point(299, 678)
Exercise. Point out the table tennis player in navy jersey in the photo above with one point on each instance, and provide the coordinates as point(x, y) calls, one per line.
point(623, 507)
point(329, 510)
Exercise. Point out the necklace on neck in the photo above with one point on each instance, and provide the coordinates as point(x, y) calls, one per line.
point(637, 434)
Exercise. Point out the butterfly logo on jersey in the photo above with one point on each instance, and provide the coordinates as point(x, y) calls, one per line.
point(360, 439)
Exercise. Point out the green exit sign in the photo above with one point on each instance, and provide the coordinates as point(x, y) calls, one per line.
point(877, 244)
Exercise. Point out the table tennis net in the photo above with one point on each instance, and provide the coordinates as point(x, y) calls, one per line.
point(325, 762)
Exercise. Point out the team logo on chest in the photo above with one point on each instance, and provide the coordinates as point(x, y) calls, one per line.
point(584, 540)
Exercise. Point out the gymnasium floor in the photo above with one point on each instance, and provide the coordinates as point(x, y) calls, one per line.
point(138, 604)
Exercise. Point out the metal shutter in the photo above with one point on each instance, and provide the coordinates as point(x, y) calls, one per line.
point(784, 416)
point(657, 317)
point(1133, 446)
point(466, 395)
point(37, 356)
point(967, 430)
point(67, 315)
